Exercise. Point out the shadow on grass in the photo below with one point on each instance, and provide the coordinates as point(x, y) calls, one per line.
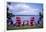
point(23, 27)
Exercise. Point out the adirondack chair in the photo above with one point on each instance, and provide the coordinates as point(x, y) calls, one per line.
point(31, 21)
point(18, 21)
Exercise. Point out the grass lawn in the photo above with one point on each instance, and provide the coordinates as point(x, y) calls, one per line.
point(22, 27)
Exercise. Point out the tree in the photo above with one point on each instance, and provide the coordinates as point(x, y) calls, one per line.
point(9, 16)
point(40, 18)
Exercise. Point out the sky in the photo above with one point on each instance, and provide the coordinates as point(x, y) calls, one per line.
point(25, 9)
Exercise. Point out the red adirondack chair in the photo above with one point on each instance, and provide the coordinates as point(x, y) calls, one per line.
point(18, 21)
point(31, 21)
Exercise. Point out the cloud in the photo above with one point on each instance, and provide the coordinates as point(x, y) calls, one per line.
point(23, 9)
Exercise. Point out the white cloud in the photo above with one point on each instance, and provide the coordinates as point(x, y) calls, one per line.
point(23, 9)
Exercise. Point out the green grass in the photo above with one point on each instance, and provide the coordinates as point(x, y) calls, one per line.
point(23, 27)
